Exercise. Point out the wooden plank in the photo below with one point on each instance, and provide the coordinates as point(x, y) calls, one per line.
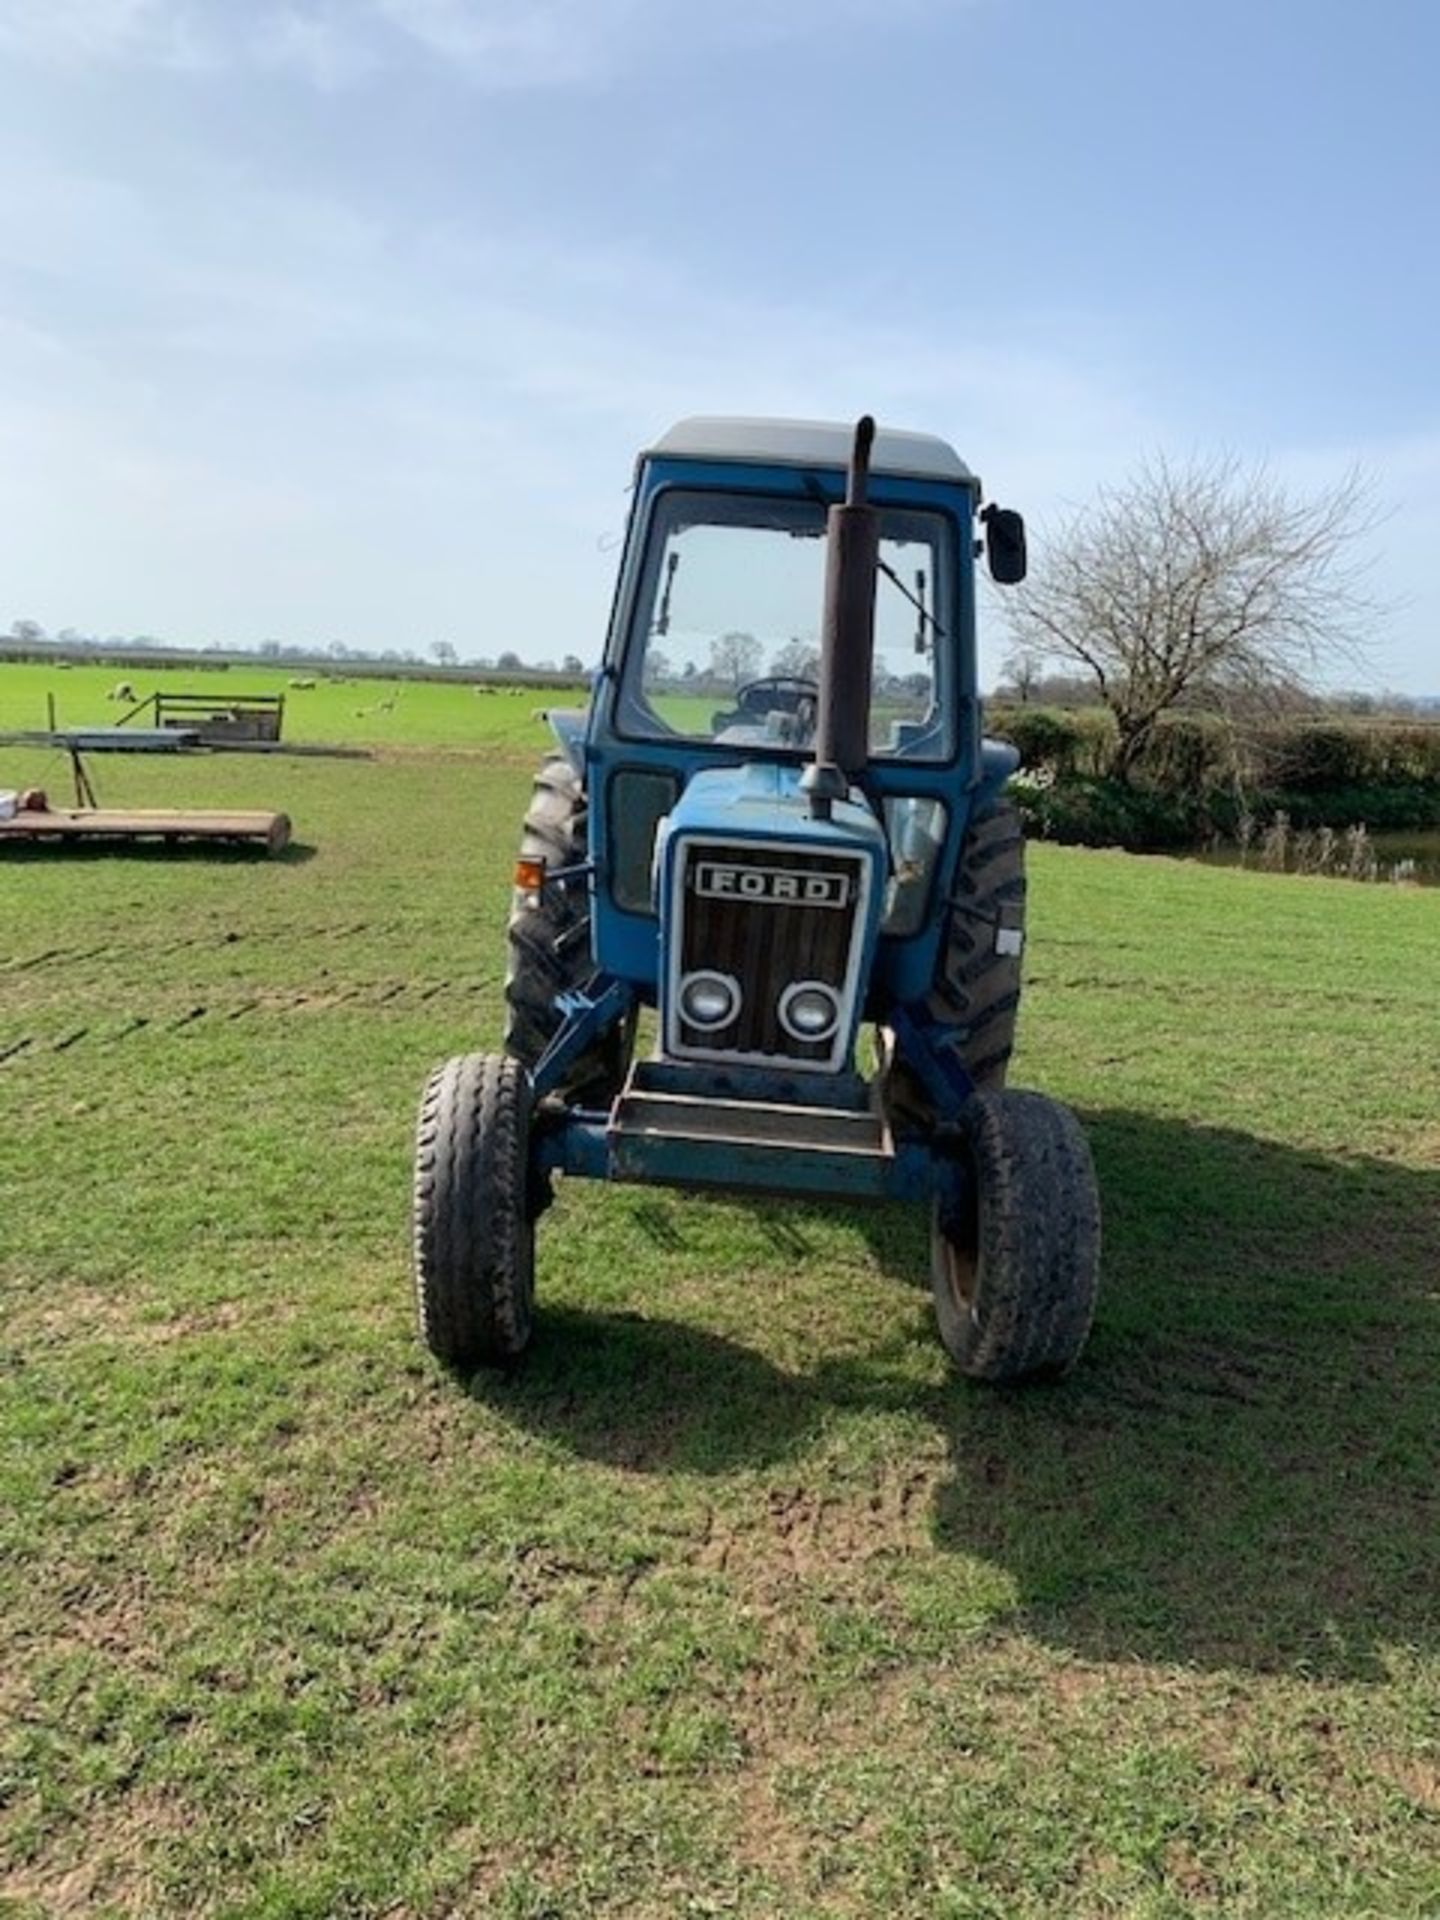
point(104, 823)
point(128, 739)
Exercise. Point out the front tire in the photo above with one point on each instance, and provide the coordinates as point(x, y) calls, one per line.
point(1015, 1256)
point(472, 1220)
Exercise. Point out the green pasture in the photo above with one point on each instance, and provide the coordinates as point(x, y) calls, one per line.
point(732, 1601)
point(335, 710)
point(353, 711)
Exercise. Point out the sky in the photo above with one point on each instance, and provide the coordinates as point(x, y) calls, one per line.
point(343, 320)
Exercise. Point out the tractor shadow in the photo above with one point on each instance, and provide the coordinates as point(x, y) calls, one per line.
point(655, 1395)
point(1244, 1471)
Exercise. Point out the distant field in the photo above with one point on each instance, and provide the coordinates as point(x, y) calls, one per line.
point(362, 712)
point(733, 1601)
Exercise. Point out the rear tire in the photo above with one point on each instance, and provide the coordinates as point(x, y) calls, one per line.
point(977, 978)
point(472, 1219)
point(1015, 1261)
point(550, 942)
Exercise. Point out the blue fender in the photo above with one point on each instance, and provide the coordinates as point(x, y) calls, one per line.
point(568, 725)
point(998, 760)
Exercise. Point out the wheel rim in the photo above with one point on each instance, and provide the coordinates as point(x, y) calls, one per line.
point(959, 1240)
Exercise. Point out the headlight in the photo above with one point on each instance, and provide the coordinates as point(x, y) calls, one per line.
point(709, 1000)
point(809, 1010)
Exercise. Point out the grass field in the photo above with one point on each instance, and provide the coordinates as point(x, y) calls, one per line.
point(362, 712)
point(732, 1602)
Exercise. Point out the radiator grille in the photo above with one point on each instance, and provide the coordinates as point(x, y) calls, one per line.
point(767, 916)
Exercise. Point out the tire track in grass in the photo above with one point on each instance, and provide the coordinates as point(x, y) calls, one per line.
point(226, 937)
point(393, 996)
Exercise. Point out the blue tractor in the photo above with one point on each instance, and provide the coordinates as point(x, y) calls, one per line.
point(777, 824)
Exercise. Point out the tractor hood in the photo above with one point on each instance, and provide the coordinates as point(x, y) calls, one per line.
point(763, 801)
point(769, 917)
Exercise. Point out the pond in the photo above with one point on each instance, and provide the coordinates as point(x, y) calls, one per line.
point(1412, 856)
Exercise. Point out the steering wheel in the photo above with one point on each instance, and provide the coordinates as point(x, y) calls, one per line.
point(787, 692)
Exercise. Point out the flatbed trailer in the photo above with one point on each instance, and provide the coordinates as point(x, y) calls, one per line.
point(135, 824)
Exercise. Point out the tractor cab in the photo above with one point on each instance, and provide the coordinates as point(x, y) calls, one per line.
point(717, 634)
point(775, 822)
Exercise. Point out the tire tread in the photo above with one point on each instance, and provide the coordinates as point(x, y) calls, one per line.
point(1038, 1242)
point(976, 989)
point(473, 1240)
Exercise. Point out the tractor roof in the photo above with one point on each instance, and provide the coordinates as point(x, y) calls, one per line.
point(810, 443)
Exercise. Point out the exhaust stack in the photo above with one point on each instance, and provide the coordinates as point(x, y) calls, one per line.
point(847, 636)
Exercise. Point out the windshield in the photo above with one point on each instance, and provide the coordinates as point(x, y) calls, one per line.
point(725, 645)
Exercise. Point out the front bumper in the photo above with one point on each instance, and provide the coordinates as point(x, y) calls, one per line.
point(679, 1126)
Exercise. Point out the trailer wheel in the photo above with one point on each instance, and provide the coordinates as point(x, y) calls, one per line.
point(550, 942)
point(977, 977)
point(472, 1218)
point(1015, 1260)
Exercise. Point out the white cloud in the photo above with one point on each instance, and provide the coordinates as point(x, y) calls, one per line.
point(317, 42)
point(497, 44)
point(255, 412)
point(258, 413)
point(552, 43)
point(168, 33)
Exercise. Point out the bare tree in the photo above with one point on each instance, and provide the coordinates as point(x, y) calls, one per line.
point(735, 657)
point(1198, 583)
point(797, 660)
point(444, 652)
point(1025, 667)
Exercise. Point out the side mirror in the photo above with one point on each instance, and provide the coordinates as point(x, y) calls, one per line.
point(1004, 544)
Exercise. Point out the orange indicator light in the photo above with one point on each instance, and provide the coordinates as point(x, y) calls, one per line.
point(530, 875)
